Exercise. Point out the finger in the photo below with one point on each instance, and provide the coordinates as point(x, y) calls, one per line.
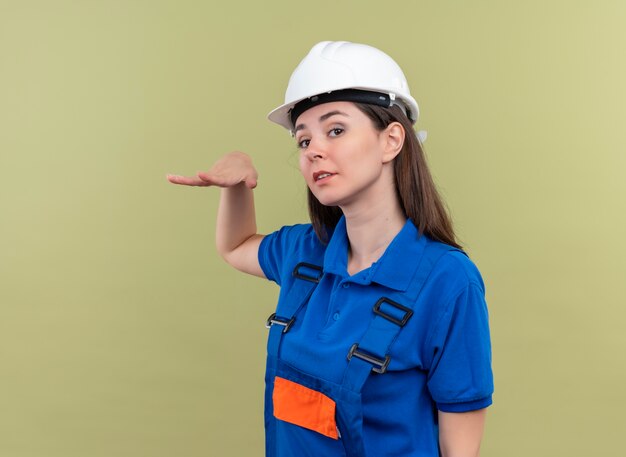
point(251, 183)
point(206, 176)
point(217, 180)
point(186, 181)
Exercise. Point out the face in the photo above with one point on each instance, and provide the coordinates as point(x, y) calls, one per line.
point(343, 158)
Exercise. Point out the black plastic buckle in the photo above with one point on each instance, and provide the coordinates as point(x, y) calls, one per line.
point(308, 277)
point(401, 321)
point(380, 365)
point(275, 320)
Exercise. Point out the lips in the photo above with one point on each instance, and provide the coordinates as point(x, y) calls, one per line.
point(322, 174)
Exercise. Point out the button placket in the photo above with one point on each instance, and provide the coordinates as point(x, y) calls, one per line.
point(334, 305)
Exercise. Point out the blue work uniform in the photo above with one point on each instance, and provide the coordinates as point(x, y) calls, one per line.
point(359, 365)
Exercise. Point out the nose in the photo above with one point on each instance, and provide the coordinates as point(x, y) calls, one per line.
point(315, 150)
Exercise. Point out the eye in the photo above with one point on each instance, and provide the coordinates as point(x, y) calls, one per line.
point(303, 143)
point(336, 131)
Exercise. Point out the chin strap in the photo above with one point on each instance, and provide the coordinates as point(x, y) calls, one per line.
point(421, 135)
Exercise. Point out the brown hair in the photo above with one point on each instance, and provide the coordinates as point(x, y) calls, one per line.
point(418, 196)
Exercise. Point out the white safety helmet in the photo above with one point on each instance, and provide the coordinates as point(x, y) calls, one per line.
point(343, 71)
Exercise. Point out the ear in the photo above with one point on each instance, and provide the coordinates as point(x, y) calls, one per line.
point(392, 141)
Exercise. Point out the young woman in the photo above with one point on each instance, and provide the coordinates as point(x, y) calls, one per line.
point(379, 345)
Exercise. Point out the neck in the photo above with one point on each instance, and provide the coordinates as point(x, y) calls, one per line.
point(371, 228)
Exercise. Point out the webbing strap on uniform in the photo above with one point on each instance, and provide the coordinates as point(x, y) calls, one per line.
point(372, 352)
point(292, 299)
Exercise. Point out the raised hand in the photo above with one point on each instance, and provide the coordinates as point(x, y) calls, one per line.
point(232, 169)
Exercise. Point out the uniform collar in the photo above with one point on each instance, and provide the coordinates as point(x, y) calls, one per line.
point(395, 268)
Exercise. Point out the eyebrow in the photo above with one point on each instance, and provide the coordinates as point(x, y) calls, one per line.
point(323, 117)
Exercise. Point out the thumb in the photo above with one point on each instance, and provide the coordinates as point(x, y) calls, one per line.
point(251, 182)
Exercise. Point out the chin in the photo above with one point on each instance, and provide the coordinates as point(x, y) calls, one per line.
point(329, 201)
point(330, 197)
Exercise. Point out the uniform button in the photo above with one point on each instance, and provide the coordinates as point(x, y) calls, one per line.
point(346, 285)
point(336, 316)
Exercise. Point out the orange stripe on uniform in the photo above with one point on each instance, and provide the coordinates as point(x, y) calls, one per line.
point(305, 407)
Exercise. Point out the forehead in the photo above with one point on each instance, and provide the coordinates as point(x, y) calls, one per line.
point(312, 115)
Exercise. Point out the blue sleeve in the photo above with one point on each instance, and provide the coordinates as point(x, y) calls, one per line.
point(460, 378)
point(279, 249)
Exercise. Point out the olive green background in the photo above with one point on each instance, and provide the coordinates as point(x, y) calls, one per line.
point(121, 331)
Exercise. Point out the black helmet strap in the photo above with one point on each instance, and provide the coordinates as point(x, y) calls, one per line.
point(344, 95)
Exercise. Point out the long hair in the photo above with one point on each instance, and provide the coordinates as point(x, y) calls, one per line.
point(419, 199)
